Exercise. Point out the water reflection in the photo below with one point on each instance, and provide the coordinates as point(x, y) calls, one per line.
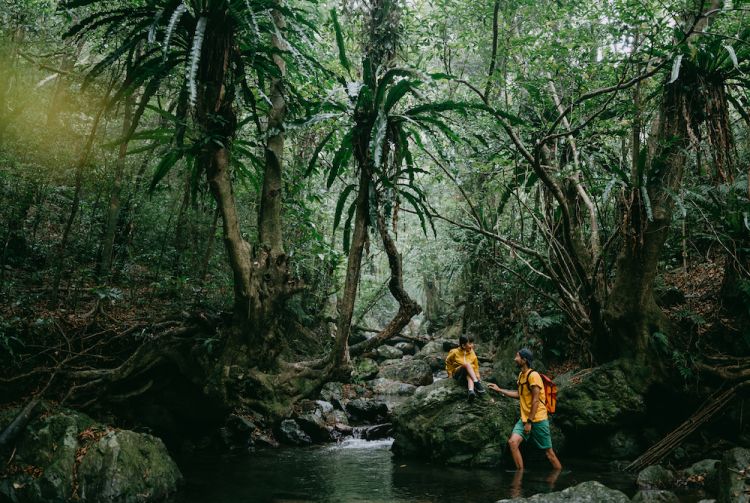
point(360, 471)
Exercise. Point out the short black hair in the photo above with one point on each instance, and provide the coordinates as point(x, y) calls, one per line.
point(464, 339)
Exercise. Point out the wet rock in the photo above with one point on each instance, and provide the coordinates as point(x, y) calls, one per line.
point(703, 473)
point(438, 346)
point(586, 492)
point(361, 409)
point(655, 496)
point(386, 352)
point(416, 372)
point(382, 386)
point(655, 477)
point(377, 432)
point(314, 424)
point(364, 369)
point(438, 423)
point(392, 361)
point(290, 433)
point(110, 465)
point(734, 476)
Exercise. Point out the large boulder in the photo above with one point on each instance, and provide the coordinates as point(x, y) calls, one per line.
point(416, 372)
point(585, 492)
point(598, 400)
point(438, 423)
point(734, 476)
point(290, 432)
point(66, 455)
point(364, 410)
point(124, 466)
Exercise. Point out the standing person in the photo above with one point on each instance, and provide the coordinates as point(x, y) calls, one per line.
point(462, 365)
point(534, 422)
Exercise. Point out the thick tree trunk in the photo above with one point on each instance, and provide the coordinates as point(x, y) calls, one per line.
point(632, 313)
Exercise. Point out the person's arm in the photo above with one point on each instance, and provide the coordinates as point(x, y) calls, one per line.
point(448, 360)
point(505, 392)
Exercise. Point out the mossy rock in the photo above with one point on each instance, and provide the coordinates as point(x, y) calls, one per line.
point(734, 476)
point(439, 423)
point(585, 492)
point(62, 446)
point(601, 399)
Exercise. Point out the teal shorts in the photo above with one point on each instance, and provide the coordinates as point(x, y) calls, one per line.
point(540, 433)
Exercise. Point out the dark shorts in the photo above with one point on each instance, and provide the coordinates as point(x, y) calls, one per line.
point(540, 433)
point(460, 375)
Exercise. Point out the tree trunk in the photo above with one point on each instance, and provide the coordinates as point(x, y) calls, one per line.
point(270, 233)
point(353, 267)
point(632, 313)
point(115, 202)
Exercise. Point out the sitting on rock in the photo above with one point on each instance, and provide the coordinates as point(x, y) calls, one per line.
point(534, 422)
point(462, 365)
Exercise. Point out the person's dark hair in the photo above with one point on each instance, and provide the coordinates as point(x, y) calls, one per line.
point(527, 355)
point(465, 339)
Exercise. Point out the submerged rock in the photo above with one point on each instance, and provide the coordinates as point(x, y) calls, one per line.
point(66, 455)
point(586, 492)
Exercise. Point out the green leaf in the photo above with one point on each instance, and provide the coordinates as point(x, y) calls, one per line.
point(340, 204)
point(676, 68)
point(341, 158)
point(166, 163)
point(348, 226)
point(340, 41)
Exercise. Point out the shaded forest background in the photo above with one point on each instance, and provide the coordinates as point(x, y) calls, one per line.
point(210, 186)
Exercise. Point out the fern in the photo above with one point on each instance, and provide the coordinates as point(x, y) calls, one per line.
point(195, 56)
point(154, 25)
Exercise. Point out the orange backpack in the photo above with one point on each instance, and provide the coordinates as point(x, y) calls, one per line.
point(550, 391)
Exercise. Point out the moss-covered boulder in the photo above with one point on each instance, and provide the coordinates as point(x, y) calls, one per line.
point(65, 455)
point(585, 492)
point(124, 466)
point(364, 369)
point(438, 423)
point(600, 399)
point(655, 477)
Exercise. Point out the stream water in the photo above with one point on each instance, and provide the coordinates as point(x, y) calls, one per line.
point(360, 471)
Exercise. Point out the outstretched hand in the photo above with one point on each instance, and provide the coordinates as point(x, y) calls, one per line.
point(493, 386)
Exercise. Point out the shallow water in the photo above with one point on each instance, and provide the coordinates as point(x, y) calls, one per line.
point(362, 471)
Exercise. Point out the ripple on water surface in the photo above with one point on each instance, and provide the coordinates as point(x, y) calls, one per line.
point(356, 470)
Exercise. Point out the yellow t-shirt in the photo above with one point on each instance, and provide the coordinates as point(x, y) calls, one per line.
point(524, 395)
point(456, 359)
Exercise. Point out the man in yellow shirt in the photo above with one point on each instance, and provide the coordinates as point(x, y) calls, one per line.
point(462, 365)
point(534, 422)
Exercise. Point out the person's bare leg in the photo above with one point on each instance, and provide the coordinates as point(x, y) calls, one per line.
point(515, 486)
point(556, 465)
point(514, 442)
point(472, 374)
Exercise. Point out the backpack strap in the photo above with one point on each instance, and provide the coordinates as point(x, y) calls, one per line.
point(543, 402)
